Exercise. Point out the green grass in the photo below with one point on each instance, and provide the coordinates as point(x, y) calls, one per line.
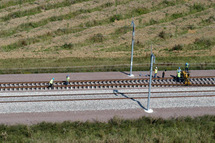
point(40, 8)
point(208, 21)
point(97, 38)
point(201, 44)
point(79, 28)
point(193, 9)
point(145, 129)
point(15, 2)
point(121, 47)
point(31, 65)
point(59, 65)
point(32, 25)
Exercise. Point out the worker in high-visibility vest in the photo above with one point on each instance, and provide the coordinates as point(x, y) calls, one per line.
point(67, 79)
point(186, 67)
point(179, 74)
point(179, 70)
point(156, 71)
point(51, 83)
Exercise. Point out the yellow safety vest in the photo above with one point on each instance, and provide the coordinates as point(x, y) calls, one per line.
point(179, 74)
point(187, 66)
point(156, 70)
point(67, 79)
point(51, 81)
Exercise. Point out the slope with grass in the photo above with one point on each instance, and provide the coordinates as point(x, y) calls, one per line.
point(91, 30)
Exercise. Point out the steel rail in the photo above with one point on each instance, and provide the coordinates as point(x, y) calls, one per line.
point(132, 98)
point(106, 85)
point(81, 84)
point(84, 94)
point(106, 80)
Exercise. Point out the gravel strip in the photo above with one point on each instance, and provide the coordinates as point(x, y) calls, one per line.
point(103, 115)
point(93, 75)
point(105, 104)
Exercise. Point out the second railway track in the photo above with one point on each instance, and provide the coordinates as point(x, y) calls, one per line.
point(81, 100)
point(115, 95)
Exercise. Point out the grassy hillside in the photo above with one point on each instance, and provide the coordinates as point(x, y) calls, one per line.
point(59, 33)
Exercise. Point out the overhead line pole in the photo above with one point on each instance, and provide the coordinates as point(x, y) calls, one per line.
point(150, 82)
point(132, 49)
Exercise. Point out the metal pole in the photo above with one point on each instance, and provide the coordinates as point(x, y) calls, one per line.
point(150, 83)
point(132, 49)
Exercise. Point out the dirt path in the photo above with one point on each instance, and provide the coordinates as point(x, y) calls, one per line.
point(102, 115)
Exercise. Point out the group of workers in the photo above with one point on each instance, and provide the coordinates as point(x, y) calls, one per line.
point(51, 82)
point(178, 72)
point(155, 76)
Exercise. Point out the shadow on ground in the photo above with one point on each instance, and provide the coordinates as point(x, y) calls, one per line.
point(116, 93)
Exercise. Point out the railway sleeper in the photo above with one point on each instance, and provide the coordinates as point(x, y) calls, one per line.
point(59, 83)
point(211, 79)
point(28, 84)
point(14, 85)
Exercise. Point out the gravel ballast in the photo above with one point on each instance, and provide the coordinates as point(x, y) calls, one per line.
point(120, 104)
point(101, 110)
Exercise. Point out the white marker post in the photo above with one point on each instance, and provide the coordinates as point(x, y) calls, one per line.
point(132, 50)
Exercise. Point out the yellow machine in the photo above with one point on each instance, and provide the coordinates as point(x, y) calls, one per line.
point(186, 77)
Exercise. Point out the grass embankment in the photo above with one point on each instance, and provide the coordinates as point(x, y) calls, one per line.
point(54, 65)
point(100, 41)
point(39, 9)
point(184, 129)
point(82, 26)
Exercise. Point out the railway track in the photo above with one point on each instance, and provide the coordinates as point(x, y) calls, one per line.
point(105, 84)
point(104, 96)
point(80, 100)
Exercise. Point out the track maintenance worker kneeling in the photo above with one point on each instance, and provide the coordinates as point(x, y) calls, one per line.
point(51, 83)
point(156, 71)
point(67, 79)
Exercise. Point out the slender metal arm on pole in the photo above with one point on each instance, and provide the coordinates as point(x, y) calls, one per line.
point(132, 49)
